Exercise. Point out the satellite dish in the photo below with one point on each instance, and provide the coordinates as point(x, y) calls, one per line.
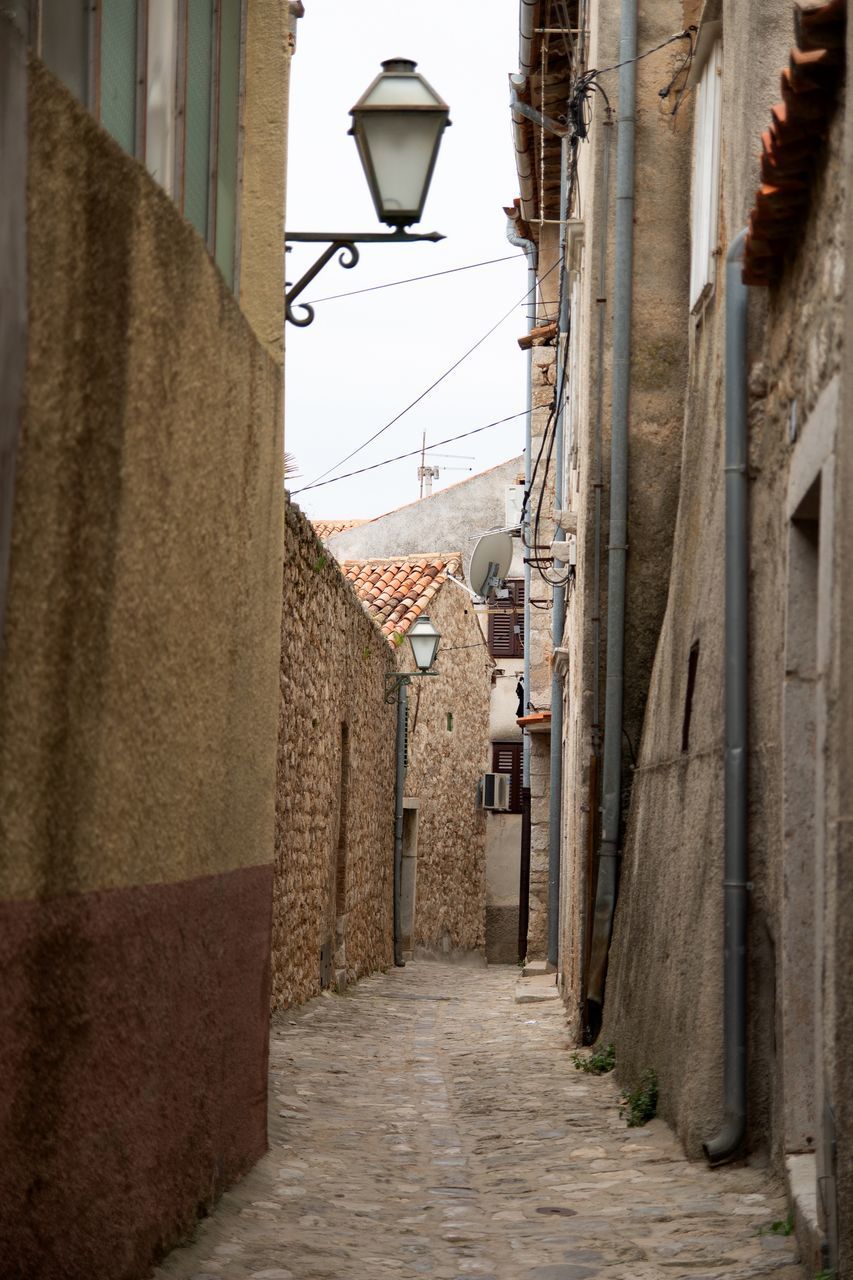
point(490, 562)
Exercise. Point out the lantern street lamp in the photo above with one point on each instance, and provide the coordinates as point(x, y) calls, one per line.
point(424, 639)
point(397, 124)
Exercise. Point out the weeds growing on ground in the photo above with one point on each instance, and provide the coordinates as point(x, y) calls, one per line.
point(641, 1103)
point(597, 1063)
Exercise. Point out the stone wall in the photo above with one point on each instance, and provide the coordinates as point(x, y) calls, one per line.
point(335, 791)
point(448, 753)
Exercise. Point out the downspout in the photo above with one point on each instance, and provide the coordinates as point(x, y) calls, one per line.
point(726, 1143)
point(524, 870)
point(623, 289)
point(558, 611)
point(400, 784)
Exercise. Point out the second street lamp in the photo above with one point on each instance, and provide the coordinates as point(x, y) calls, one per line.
point(398, 124)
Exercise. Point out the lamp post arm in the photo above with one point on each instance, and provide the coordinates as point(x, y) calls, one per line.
point(336, 242)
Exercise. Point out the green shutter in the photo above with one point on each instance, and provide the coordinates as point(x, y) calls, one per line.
point(65, 43)
point(229, 105)
point(118, 71)
point(198, 113)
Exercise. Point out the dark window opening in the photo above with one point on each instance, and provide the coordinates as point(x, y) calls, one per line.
point(343, 816)
point(506, 758)
point(692, 665)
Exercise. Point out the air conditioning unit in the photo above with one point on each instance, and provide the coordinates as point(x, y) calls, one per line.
point(494, 791)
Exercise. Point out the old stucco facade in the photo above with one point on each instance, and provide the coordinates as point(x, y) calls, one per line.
point(669, 925)
point(332, 903)
point(137, 702)
point(664, 993)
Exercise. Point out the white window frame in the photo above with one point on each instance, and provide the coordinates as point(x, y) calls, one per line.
point(705, 185)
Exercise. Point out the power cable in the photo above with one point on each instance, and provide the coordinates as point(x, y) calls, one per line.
point(439, 380)
point(393, 284)
point(320, 484)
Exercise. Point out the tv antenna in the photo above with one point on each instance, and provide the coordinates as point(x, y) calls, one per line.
point(427, 473)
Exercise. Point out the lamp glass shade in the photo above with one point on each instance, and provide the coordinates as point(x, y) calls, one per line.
point(397, 126)
point(424, 640)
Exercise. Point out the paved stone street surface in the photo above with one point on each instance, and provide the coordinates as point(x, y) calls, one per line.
point(427, 1125)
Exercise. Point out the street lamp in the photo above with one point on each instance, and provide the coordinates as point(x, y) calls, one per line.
point(397, 124)
point(424, 639)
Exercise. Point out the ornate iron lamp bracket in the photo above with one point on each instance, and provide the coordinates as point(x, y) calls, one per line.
point(394, 679)
point(337, 242)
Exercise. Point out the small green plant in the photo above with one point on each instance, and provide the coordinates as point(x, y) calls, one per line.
point(597, 1063)
point(825, 1275)
point(784, 1227)
point(641, 1103)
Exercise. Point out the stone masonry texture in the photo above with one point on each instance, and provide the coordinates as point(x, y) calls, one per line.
point(335, 791)
point(448, 753)
point(425, 1125)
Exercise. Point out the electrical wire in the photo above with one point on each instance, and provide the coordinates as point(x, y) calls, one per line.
point(393, 284)
point(433, 385)
point(413, 453)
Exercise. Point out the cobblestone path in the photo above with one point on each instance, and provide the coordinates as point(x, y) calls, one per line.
point(425, 1125)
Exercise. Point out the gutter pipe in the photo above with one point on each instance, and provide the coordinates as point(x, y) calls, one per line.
point(558, 610)
point(400, 784)
point(526, 25)
point(518, 85)
point(523, 149)
point(726, 1143)
point(529, 248)
point(623, 291)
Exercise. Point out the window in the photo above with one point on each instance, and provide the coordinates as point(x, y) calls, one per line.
point(506, 758)
point(705, 193)
point(506, 623)
point(164, 78)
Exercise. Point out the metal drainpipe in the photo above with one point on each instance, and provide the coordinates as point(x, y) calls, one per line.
point(400, 784)
point(623, 297)
point(726, 1143)
point(558, 611)
point(529, 248)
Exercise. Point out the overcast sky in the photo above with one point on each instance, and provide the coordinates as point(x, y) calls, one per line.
point(366, 357)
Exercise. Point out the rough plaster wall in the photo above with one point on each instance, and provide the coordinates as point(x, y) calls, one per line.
point(658, 363)
point(444, 769)
point(137, 722)
point(264, 132)
point(136, 682)
point(333, 665)
point(450, 518)
point(665, 983)
point(840, 818)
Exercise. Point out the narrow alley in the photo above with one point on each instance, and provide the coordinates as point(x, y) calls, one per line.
point(428, 1125)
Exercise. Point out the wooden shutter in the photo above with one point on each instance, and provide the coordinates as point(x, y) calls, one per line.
point(506, 758)
point(504, 617)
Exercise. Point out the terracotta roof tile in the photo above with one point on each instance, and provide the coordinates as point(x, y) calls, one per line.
point(325, 528)
point(788, 148)
point(394, 593)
